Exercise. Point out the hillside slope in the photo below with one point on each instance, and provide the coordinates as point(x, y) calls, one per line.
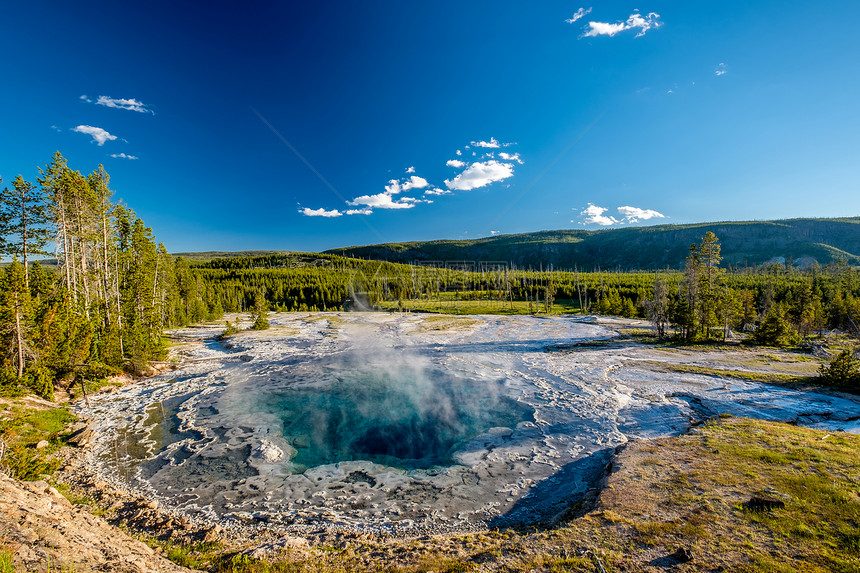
point(657, 247)
point(42, 531)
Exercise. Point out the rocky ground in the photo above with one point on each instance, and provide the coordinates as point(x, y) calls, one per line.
point(44, 531)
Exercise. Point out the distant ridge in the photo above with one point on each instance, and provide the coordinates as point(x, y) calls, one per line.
point(206, 256)
point(805, 241)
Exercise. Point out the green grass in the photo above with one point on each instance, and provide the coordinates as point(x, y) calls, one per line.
point(6, 565)
point(767, 377)
point(74, 497)
point(818, 480)
point(443, 323)
point(198, 556)
point(459, 306)
point(21, 429)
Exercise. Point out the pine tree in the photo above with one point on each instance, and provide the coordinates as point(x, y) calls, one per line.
point(657, 307)
point(53, 183)
point(4, 224)
point(843, 371)
point(16, 318)
point(775, 330)
point(25, 217)
point(709, 271)
point(260, 313)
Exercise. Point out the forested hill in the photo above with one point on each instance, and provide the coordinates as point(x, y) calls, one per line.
point(665, 246)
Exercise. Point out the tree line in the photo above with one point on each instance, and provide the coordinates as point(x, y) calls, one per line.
point(778, 303)
point(103, 305)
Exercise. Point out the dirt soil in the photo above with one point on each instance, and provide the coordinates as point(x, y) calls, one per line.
point(45, 532)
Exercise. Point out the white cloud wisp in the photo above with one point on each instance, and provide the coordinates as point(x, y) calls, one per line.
point(510, 157)
point(635, 21)
point(320, 212)
point(578, 15)
point(493, 143)
point(99, 135)
point(635, 214)
point(121, 103)
point(123, 156)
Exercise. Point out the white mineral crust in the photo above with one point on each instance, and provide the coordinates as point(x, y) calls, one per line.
point(206, 430)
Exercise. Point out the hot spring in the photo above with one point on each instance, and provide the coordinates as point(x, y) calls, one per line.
point(372, 421)
point(407, 418)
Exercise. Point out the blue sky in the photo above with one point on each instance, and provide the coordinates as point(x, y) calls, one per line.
point(278, 125)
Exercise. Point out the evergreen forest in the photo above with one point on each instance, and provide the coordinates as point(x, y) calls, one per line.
point(102, 307)
point(779, 304)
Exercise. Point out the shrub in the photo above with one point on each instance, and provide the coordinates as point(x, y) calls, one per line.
point(261, 322)
point(843, 371)
point(40, 380)
point(230, 329)
point(775, 330)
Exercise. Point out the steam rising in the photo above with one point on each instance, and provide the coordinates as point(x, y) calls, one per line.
point(396, 410)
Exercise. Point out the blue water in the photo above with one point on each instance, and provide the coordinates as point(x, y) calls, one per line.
point(409, 419)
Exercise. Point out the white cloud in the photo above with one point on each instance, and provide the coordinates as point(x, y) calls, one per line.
point(493, 143)
point(494, 233)
point(367, 203)
point(320, 212)
point(382, 201)
point(86, 99)
point(394, 186)
point(480, 175)
point(415, 182)
point(456, 163)
point(98, 134)
point(578, 15)
point(510, 157)
point(55, 128)
point(436, 191)
point(120, 103)
point(634, 21)
point(459, 152)
point(123, 156)
point(603, 29)
point(594, 215)
point(721, 69)
point(634, 214)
